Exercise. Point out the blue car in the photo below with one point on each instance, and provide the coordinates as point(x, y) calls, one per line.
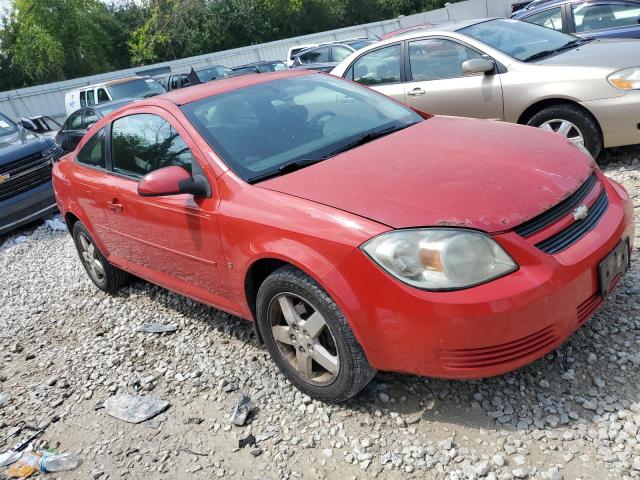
point(26, 159)
point(585, 18)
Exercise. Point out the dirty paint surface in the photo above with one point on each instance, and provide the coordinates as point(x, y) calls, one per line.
point(447, 171)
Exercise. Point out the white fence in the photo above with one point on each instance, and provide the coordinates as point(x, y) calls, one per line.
point(48, 99)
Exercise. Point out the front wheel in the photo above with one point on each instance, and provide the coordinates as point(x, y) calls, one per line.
point(309, 338)
point(573, 123)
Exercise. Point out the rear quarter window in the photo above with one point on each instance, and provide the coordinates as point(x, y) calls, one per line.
point(93, 152)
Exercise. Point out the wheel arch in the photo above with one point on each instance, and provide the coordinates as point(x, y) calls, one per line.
point(70, 219)
point(540, 105)
point(72, 215)
point(258, 271)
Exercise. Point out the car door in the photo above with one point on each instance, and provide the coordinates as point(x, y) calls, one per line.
point(612, 19)
point(171, 240)
point(72, 131)
point(437, 84)
point(380, 69)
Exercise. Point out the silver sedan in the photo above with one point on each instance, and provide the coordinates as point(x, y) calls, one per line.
point(500, 69)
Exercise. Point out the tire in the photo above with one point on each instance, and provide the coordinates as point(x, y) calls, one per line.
point(351, 370)
point(112, 278)
point(585, 123)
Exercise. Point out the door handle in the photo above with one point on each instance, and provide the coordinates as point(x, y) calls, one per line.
point(114, 206)
point(416, 92)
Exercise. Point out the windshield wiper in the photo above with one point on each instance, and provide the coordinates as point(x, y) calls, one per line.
point(305, 162)
point(288, 168)
point(566, 46)
point(368, 137)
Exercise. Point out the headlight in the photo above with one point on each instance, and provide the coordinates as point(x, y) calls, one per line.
point(627, 79)
point(440, 258)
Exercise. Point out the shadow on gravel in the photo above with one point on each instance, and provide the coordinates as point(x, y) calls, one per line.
point(618, 154)
point(589, 375)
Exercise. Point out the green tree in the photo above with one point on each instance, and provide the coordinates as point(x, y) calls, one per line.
point(47, 41)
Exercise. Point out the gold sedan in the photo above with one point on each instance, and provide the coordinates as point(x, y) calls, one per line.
point(500, 69)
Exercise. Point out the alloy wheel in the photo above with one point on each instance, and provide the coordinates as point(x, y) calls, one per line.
point(304, 338)
point(91, 258)
point(564, 128)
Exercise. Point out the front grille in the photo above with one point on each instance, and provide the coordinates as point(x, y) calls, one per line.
point(550, 216)
point(570, 235)
point(24, 174)
point(498, 354)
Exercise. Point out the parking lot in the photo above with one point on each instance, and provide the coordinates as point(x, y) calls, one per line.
point(66, 347)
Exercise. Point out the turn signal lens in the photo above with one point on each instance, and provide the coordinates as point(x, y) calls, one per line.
point(627, 79)
point(440, 258)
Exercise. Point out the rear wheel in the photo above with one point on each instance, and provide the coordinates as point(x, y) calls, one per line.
point(104, 275)
point(571, 122)
point(309, 338)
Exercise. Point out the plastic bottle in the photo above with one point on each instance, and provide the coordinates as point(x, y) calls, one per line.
point(59, 462)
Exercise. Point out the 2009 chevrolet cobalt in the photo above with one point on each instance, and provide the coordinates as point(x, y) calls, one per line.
point(357, 233)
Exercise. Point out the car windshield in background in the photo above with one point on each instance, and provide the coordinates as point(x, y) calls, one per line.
point(263, 129)
point(360, 44)
point(139, 88)
point(520, 40)
point(6, 126)
point(211, 73)
point(272, 67)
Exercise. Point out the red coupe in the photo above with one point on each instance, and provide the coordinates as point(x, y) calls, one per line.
point(358, 234)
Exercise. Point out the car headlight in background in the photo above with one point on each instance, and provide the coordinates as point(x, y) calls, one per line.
point(440, 258)
point(627, 79)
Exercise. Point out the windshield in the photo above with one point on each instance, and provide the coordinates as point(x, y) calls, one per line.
point(211, 73)
point(7, 126)
point(519, 40)
point(138, 88)
point(261, 128)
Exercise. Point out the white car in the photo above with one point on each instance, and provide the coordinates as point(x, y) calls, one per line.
point(130, 87)
point(294, 51)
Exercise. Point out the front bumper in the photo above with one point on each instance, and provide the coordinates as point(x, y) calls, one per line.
point(27, 207)
point(485, 330)
point(619, 118)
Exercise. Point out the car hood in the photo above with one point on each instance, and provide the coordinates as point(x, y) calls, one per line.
point(446, 171)
point(20, 144)
point(614, 54)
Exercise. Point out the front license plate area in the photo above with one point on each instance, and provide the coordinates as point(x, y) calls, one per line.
point(613, 267)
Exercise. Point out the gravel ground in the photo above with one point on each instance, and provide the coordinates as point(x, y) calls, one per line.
point(65, 347)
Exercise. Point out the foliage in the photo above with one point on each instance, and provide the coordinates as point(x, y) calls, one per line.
point(45, 40)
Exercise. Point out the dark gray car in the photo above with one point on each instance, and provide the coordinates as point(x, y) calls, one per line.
point(75, 127)
point(26, 158)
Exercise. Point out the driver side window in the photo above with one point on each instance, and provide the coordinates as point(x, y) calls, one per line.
point(437, 59)
point(378, 67)
point(143, 143)
point(74, 122)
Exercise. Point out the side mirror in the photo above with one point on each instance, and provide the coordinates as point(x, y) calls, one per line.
point(28, 124)
point(173, 180)
point(478, 65)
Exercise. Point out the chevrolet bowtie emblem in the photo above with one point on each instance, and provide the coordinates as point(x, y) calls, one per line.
point(580, 213)
point(4, 178)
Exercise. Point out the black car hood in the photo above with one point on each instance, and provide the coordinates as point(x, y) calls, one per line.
point(21, 144)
